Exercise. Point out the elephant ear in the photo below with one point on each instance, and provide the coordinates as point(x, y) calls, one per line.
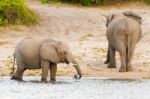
point(109, 19)
point(49, 52)
point(133, 15)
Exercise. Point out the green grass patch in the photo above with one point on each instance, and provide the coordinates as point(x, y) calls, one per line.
point(96, 2)
point(16, 12)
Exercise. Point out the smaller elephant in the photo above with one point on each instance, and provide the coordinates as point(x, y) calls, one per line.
point(123, 33)
point(33, 53)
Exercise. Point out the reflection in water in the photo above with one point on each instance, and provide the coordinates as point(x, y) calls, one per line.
point(68, 88)
point(48, 82)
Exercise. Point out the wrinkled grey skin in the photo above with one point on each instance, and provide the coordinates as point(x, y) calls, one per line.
point(123, 33)
point(32, 53)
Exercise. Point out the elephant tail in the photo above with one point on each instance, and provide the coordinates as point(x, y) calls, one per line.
point(13, 67)
point(128, 50)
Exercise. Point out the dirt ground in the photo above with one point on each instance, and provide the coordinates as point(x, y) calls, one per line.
point(83, 29)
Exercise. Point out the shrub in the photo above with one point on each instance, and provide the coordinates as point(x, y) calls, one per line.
point(83, 2)
point(45, 1)
point(147, 1)
point(93, 2)
point(89, 2)
point(16, 12)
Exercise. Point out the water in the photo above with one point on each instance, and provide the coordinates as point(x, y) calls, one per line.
point(68, 88)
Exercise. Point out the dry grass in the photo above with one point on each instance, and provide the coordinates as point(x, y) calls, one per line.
point(4, 43)
point(146, 63)
point(137, 4)
point(100, 50)
point(86, 37)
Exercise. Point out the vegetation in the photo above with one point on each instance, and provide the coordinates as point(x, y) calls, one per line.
point(147, 1)
point(45, 1)
point(9, 64)
point(83, 2)
point(95, 2)
point(16, 12)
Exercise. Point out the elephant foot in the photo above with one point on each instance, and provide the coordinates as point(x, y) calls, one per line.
point(111, 66)
point(16, 78)
point(53, 81)
point(43, 80)
point(106, 62)
point(129, 68)
point(122, 69)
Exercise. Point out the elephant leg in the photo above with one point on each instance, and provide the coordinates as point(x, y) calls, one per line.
point(129, 68)
point(108, 56)
point(19, 72)
point(123, 54)
point(53, 70)
point(112, 63)
point(45, 69)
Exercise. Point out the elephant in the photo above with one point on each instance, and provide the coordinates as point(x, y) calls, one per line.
point(42, 53)
point(123, 33)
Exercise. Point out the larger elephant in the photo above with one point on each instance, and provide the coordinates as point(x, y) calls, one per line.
point(34, 53)
point(123, 32)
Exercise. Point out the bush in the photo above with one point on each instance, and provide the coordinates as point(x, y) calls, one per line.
point(89, 2)
point(95, 2)
point(45, 1)
point(15, 12)
point(147, 1)
point(83, 2)
point(86, 2)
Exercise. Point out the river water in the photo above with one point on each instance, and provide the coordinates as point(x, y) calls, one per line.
point(69, 88)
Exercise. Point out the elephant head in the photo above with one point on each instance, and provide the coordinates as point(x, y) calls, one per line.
point(62, 50)
point(58, 52)
point(128, 14)
point(134, 16)
point(109, 19)
point(66, 56)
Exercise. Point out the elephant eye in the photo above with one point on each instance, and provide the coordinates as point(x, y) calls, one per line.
point(60, 53)
point(65, 52)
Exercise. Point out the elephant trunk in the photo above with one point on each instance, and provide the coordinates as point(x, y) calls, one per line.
point(75, 64)
point(78, 71)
